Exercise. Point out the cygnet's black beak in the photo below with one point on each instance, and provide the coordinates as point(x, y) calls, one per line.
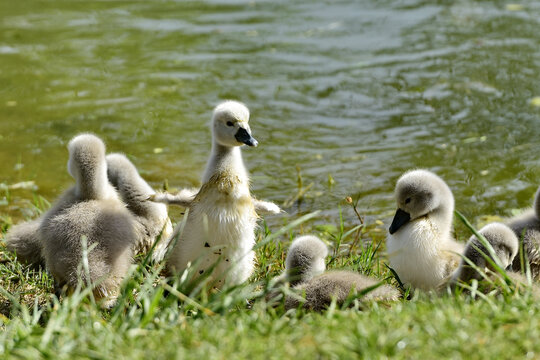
point(400, 219)
point(245, 138)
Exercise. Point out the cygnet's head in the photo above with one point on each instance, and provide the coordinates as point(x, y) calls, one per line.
point(420, 193)
point(501, 238)
point(230, 125)
point(305, 259)
point(119, 167)
point(86, 158)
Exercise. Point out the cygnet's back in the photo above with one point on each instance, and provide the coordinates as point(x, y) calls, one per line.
point(97, 217)
point(338, 285)
point(503, 241)
point(527, 228)
point(305, 259)
point(135, 191)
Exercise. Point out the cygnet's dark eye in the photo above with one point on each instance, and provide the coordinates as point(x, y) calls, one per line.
point(407, 200)
point(230, 123)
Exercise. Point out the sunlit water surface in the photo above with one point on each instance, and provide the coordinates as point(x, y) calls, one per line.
point(357, 90)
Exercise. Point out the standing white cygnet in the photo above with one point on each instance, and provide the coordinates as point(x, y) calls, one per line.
point(134, 191)
point(503, 241)
point(420, 245)
point(304, 270)
point(219, 230)
point(90, 211)
point(527, 228)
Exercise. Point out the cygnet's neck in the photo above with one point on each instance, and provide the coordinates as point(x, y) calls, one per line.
point(298, 276)
point(135, 191)
point(225, 160)
point(442, 218)
point(92, 184)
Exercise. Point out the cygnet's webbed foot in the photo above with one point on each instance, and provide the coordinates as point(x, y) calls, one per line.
point(266, 207)
point(183, 198)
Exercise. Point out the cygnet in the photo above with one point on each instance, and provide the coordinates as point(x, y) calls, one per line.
point(503, 241)
point(91, 212)
point(420, 245)
point(134, 191)
point(219, 230)
point(304, 270)
point(527, 228)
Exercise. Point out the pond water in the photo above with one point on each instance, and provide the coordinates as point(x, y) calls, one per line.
point(358, 90)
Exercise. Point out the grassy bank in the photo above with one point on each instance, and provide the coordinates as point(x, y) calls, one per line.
point(191, 323)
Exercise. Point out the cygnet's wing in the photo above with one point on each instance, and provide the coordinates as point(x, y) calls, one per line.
point(183, 198)
point(266, 207)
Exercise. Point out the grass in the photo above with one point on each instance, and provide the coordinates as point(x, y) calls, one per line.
point(193, 323)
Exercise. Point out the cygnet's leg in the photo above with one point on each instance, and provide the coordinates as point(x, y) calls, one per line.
point(58, 290)
point(183, 198)
point(266, 207)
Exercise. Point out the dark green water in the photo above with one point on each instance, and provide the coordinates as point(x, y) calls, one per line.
point(361, 90)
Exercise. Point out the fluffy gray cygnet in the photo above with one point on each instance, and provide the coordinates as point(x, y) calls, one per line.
point(338, 285)
point(503, 241)
point(134, 191)
point(152, 218)
point(527, 228)
point(90, 211)
point(304, 268)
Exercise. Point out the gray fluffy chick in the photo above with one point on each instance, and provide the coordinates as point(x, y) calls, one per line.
point(338, 285)
point(90, 210)
point(135, 191)
point(503, 241)
point(527, 228)
point(304, 269)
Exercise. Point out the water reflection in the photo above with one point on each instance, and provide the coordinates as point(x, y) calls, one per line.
point(359, 90)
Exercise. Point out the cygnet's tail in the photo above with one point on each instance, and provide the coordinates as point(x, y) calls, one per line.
point(24, 240)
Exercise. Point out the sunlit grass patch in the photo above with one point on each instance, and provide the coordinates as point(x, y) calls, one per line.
point(157, 317)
